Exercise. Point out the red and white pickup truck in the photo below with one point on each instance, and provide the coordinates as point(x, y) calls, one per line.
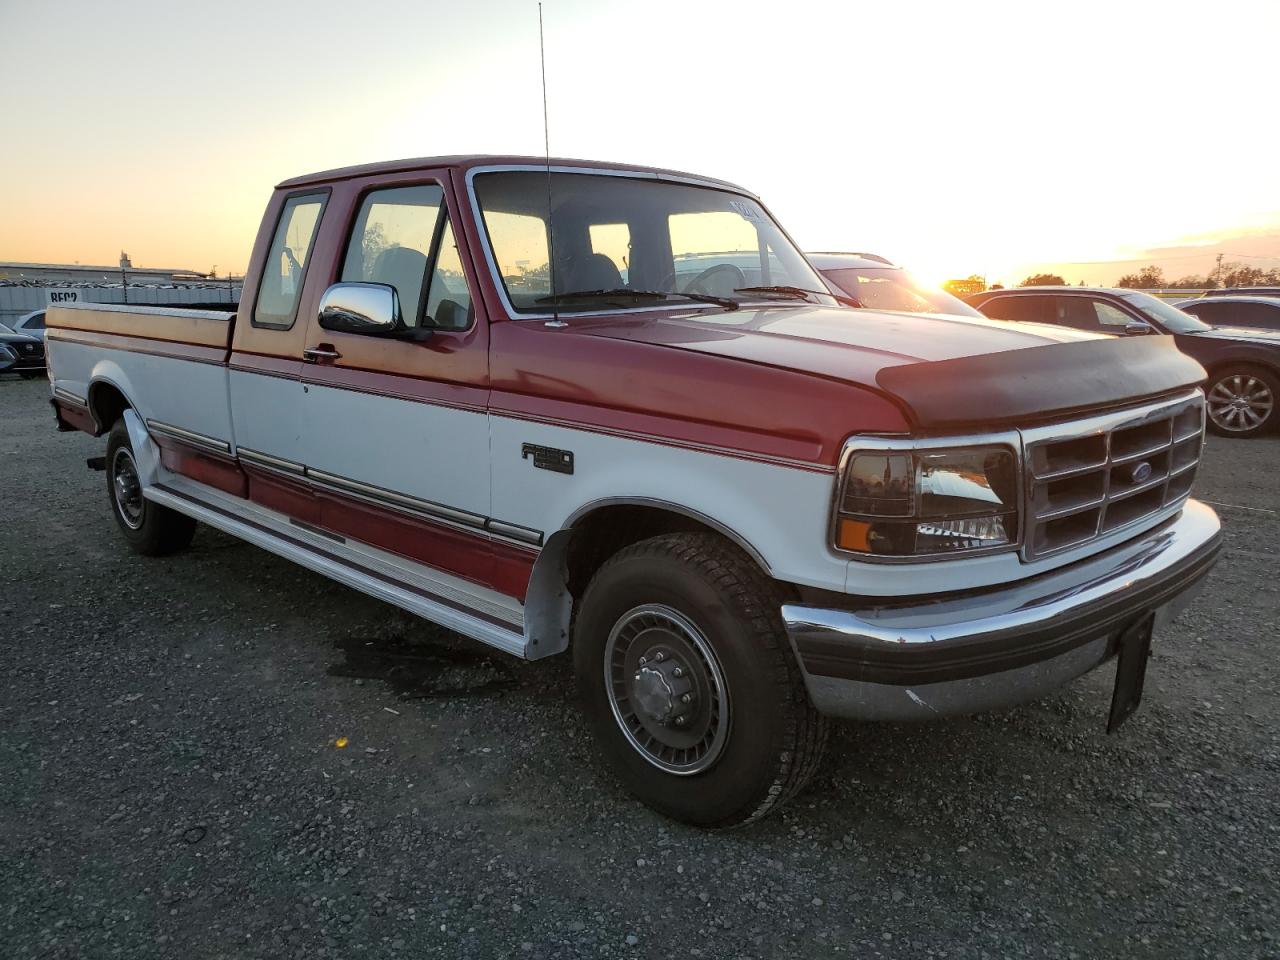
point(609, 409)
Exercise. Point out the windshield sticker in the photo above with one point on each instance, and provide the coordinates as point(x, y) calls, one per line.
point(746, 210)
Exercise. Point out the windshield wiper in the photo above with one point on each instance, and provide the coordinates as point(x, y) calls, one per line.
point(800, 293)
point(620, 292)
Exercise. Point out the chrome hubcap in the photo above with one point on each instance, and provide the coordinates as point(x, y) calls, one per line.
point(666, 689)
point(127, 489)
point(1239, 402)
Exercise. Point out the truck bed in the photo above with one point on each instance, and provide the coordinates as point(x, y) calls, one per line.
point(169, 364)
point(194, 325)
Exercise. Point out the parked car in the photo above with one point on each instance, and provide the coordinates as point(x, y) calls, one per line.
point(28, 350)
point(1243, 365)
point(7, 358)
point(741, 507)
point(1250, 313)
point(32, 324)
point(1243, 292)
point(878, 284)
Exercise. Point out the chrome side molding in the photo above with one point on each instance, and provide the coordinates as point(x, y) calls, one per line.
point(381, 495)
point(514, 531)
point(268, 462)
point(183, 435)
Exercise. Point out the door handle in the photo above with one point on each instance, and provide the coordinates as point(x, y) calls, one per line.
point(323, 352)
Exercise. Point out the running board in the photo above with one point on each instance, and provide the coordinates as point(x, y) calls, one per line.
point(373, 572)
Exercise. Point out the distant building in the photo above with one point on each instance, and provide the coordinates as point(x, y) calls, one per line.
point(25, 287)
point(71, 273)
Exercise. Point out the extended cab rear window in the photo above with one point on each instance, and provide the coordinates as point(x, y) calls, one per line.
point(285, 269)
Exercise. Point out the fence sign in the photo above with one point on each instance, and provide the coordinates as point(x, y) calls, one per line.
point(59, 295)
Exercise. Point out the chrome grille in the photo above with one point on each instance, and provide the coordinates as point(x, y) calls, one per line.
point(1094, 477)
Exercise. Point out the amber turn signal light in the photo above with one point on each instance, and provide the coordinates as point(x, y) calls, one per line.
point(854, 535)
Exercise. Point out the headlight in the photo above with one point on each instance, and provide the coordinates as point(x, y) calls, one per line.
point(927, 501)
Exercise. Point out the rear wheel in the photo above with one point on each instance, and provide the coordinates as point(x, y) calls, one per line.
point(1241, 401)
point(689, 682)
point(150, 528)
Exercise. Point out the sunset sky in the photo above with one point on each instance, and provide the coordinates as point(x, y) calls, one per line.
point(988, 138)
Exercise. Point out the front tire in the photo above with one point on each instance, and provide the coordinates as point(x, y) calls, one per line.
point(1241, 400)
point(151, 529)
point(689, 682)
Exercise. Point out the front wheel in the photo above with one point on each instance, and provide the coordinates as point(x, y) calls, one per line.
point(689, 682)
point(151, 529)
point(1241, 401)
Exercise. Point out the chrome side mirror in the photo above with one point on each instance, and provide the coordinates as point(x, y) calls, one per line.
point(1136, 328)
point(372, 309)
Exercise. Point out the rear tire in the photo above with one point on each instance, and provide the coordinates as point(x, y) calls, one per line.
point(690, 684)
point(1241, 400)
point(151, 529)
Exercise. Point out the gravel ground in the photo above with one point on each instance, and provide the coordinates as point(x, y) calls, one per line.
point(223, 755)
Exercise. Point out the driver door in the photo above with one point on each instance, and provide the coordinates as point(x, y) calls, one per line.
point(395, 431)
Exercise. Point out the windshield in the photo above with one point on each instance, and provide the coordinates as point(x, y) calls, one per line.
point(1165, 314)
point(892, 288)
point(615, 234)
point(10, 332)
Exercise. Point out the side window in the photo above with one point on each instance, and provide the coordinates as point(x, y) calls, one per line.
point(1256, 315)
point(1084, 313)
point(1027, 308)
point(287, 259)
point(448, 300)
point(1208, 312)
point(391, 240)
point(36, 322)
point(1112, 316)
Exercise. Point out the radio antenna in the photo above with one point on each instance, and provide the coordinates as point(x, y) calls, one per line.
point(546, 150)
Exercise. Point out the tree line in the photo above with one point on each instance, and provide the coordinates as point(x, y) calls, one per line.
point(1224, 274)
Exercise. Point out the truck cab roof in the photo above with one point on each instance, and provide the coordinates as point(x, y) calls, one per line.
point(466, 162)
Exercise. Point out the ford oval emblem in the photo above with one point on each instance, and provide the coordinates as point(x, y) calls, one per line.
point(1140, 472)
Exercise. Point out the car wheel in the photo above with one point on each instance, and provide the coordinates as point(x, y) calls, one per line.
point(1241, 401)
point(151, 529)
point(689, 682)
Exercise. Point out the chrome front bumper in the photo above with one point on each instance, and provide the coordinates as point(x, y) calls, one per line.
point(992, 649)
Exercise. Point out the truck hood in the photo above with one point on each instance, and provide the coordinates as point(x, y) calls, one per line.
point(843, 344)
point(942, 370)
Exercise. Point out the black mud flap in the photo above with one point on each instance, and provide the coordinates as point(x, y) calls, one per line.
point(1133, 652)
point(63, 426)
